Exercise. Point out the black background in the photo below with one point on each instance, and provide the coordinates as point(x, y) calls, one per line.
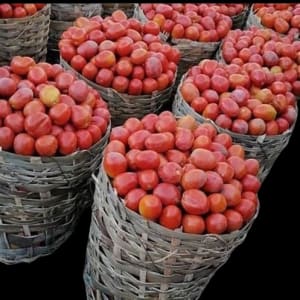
point(261, 267)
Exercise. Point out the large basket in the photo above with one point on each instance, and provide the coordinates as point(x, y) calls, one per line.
point(41, 200)
point(124, 106)
point(62, 17)
point(129, 257)
point(264, 148)
point(127, 8)
point(239, 20)
point(25, 36)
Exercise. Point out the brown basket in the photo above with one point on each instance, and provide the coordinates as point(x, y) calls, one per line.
point(124, 106)
point(41, 200)
point(129, 257)
point(25, 36)
point(264, 148)
point(109, 8)
point(238, 21)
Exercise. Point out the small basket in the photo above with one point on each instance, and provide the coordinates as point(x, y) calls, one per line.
point(41, 199)
point(62, 17)
point(127, 8)
point(129, 257)
point(264, 148)
point(124, 106)
point(25, 36)
point(238, 21)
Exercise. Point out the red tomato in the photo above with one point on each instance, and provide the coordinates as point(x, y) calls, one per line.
point(46, 145)
point(96, 133)
point(216, 223)
point(60, 113)
point(147, 159)
point(84, 139)
point(217, 202)
point(133, 198)
point(114, 163)
point(148, 179)
point(24, 144)
point(170, 172)
point(33, 107)
point(150, 207)
point(115, 146)
point(6, 138)
point(247, 209)
point(168, 193)
point(195, 202)
point(234, 220)
point(193, 224)
point(171, 217)
point(119, 133)
point(125, 182)
point(193, 179)
point(20, 65)
point(38, 124)
point(67, 142)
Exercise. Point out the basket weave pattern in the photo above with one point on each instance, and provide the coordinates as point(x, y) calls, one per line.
point(238, 21)
point(41, 200)
point(127, 8)
point(264, 148)
point(25, 36)
point(124, 106)
point(129, 257)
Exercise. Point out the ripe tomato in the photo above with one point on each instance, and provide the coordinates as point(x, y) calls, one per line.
point(6, 138)
point(168, 193)
point(234, 220)
point(133, 198)
point(67, 142)
point(148, 179)
point(119, 133)
point(84, 139)
point(193, 224)
point(15, 121)
point(137, 139)
point(38, 124)
point(24, 144)
point(46, 145)
point(216, 223)
point(96, 133)
point(170, 172)
point(193, 179)
point(218, 203)
point(125, 182)
point(20, 65)
point(203, 159)
point(247, 209)
point(195, 202)
point(171, 217)
point(147, 159)
point(150, 207)
point(60, 113)
point(5, 109)
point(114, 163)
point(33, 107)
point(115, 146)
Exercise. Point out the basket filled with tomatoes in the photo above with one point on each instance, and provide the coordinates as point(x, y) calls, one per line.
point(284, 18)
point(24, 30)
point(53, 128)
point(173, 199)
point(62, 16)
point(124, 60)
point(246, 102)
point(127, 8)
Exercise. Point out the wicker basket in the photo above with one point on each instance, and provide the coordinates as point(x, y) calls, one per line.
point(25, 36)
point(129, 257)
point(109, 8)
point(124, 106)
point(264, 148)
point(62, 16)
point(238, 21)
point(41, 200)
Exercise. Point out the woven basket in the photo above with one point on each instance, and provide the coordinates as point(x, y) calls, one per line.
point(238, 21)
point(62, 17)
point(25, 36)
point(124, 106)
point(109, 8)
point(41, 200)
point(129, 257)
point(264, 148)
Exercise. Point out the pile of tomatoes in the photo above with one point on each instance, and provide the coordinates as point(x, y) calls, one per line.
point(284, 18)
point(46, 111)
point(247, 99)
point(19, 10)
point(120, 53)
point(181, 174)
point(196, 22)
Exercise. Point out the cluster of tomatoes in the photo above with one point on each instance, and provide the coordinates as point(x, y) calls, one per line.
point(46, 111)
point(19, 10)
point(120, 53)
point(247, 99)
point(179, 173)
point(196, 22)
point(282, 17)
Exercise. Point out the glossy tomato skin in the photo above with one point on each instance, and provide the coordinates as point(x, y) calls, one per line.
point(24, 144)
point(67, 142)
point(171, 217)
point(133, 198)
point(6, 138)
point(114, 163)
point(46, 145)
point(150, 207)
point(125, 182)
point(38, 124)
point(193, 224)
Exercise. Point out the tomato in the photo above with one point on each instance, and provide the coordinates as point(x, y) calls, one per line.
point(193, 224)
point(89, 71)
point(5, 109)
point(20, 98)
point(49, 95)
point(176, 156)
point(84, 139)
point(63, 80)
point(193, 179)
point(133, 124)
point(218, 203)
point(24, 144)
point(46, 145)
point(95, 132)
point(236, 150)
point(170, 172)
point(20, 65)
point(234, 220)
point(67, 142)
point(80, 116)
point(60, 113)
point(252, 166)
point(216, 223)
point(147, 159)
point(37, 75)
point(114, 163)
point(133, 198)
point(251, 183)
point(33, 107)
point(238, 165)
point(247, 209)
point(6, 11)
point(166, 123)
point(171, 217)
point(119, 133)
point(232, 194)
point(38, 124)
point(214, 182)
point(15, 122)
point(225, 170)
point(137, 139)
point(195, 202)
point(203, 159)
point(168, 193)
point(7, 87)
point(6, 138)
point(148, 179)
point(150, 207)
point(56, 130)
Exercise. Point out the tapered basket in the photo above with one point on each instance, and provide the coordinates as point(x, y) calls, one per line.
point(124, 106)
point(129, 257)
point(265, 148)
point(41, 200)
point(26, 36)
